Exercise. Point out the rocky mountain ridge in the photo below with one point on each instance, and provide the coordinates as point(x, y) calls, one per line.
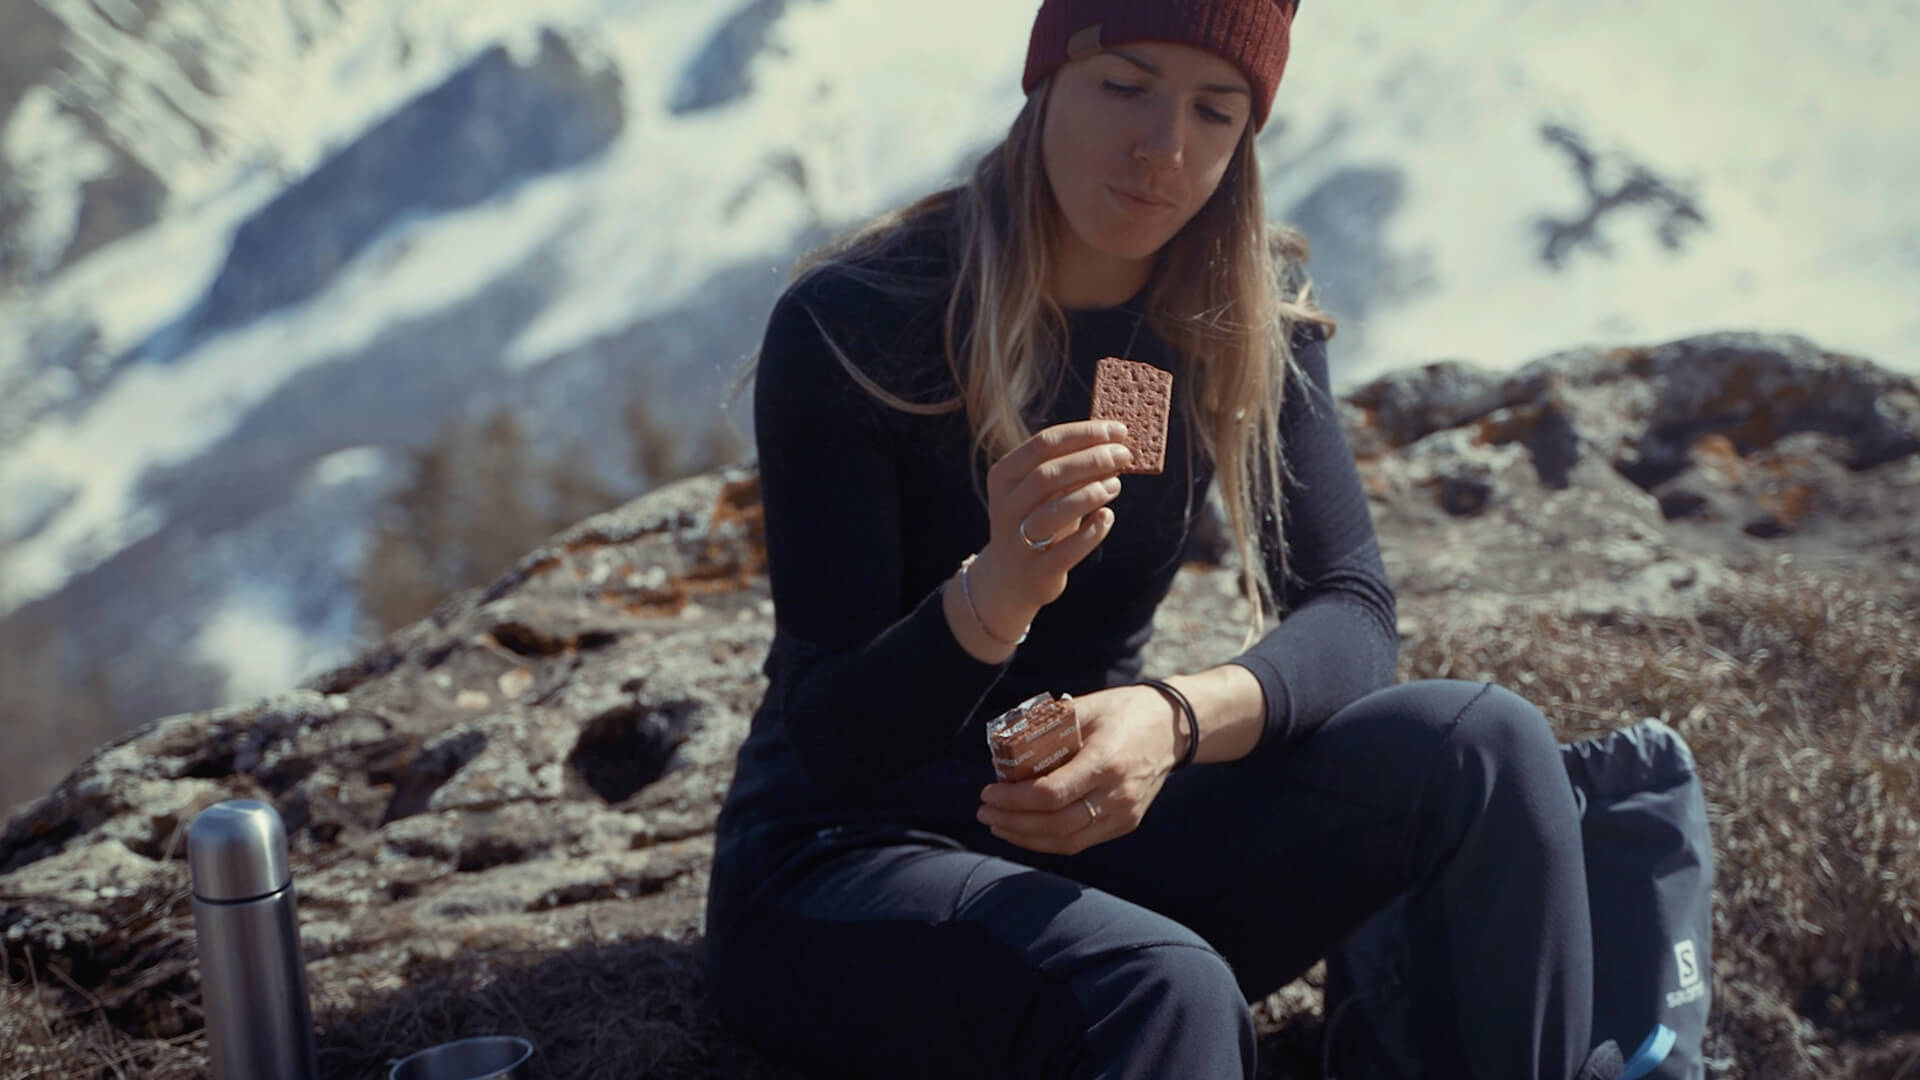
point(536, 767)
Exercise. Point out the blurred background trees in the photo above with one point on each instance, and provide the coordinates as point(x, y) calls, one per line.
point(478, 497)
point(54, 707)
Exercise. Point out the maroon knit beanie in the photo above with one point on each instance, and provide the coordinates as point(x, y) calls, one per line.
point(1250, 34)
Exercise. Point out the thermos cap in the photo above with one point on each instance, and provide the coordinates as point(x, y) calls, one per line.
point(237, 850)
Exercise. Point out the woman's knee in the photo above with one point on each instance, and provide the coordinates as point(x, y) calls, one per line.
point(1498, 771)
point(1502, 731)
point(1174, 973)
point(1167, 1008)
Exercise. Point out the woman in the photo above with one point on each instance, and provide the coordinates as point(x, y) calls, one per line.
point(880, 905)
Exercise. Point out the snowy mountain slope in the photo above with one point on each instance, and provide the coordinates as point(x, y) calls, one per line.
point(174, 93)
point(219, 105)
point(1428, 152)
point(1790, 132)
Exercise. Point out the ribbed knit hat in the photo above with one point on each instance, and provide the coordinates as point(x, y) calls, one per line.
point(1250, 34)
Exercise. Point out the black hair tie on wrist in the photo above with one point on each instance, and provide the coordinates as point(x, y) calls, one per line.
point(1186, 708)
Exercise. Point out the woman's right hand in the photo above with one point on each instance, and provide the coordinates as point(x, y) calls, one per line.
point(1058, 483)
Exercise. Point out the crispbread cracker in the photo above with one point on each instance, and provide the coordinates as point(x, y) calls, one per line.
point(1140, 396)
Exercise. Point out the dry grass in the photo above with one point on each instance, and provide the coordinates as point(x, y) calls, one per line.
point(55, 1029)
point(634, 1007)
point(1799, 695)
point(628, 1008)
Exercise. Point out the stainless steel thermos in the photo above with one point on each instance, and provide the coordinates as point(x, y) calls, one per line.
point(253, 983)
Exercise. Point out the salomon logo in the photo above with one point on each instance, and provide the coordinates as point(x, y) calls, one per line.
point(1691, 988)
point(1689, 967)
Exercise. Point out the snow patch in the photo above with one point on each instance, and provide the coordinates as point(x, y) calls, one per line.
point(349, 465)
point(30, 505)
point(259, 646)
point(51, 157)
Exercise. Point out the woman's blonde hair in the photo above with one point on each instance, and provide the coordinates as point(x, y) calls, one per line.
point(1215, 297)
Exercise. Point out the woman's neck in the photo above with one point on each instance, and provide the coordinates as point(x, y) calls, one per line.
point(1084, 279)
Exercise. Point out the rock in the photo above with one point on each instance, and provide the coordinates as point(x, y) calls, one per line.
point(1349, 214)
point(1611, 183)
point(1738, 439)
point(718, 73)
point(1758, 389)
point(91, 878)
point(244, 746)
point(1406, 406)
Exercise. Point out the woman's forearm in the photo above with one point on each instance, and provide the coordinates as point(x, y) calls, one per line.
point(1231, 709)
point(989, 608)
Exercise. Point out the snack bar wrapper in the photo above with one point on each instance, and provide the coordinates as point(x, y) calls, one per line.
point(1034, 737)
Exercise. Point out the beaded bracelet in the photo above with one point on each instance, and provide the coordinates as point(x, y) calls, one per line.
point(1186, 708)
point(967, 592)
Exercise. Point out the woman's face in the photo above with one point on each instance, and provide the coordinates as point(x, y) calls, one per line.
point(1135, 140)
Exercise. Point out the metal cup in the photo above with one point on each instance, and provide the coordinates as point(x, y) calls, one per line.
point(489, 1057)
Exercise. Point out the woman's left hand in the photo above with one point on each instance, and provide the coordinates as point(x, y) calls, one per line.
point(1130, 739)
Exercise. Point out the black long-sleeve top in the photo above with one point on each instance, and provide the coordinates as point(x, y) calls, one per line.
point(874, 711)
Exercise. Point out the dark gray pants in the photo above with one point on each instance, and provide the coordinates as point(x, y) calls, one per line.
point(884, 952)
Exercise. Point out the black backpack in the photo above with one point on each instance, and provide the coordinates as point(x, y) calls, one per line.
point(1649, 862)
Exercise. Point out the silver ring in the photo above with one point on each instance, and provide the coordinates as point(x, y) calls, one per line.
point(1030, 542)
point(1092, 814)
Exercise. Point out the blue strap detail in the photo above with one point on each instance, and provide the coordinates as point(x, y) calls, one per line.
point(1654, 1050)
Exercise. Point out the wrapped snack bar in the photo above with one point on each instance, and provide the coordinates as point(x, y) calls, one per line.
point(1034, 737)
